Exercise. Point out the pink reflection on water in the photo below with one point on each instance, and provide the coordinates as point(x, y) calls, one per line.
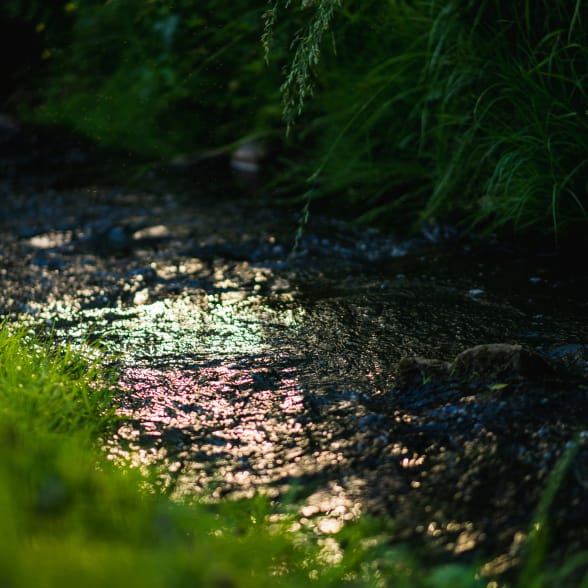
point(225, 427)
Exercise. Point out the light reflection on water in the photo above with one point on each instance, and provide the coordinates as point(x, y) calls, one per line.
point(245, 371)
point(175, 330)
point(206, 398)
point(219, 425)
point(196, 386)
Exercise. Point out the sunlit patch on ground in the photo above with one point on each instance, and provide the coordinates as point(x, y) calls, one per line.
point(204, 398)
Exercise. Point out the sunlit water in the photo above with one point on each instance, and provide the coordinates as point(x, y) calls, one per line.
point(244, 369)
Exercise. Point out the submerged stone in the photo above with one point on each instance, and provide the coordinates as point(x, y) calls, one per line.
point(500, 360)
point(488, 363)
point(416, 371)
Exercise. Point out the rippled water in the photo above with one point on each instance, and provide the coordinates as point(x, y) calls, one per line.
point(244, 368)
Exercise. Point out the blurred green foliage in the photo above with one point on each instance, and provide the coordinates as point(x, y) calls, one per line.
point(472, 113)
point(161, 77)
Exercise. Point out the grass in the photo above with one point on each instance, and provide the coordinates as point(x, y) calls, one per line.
point(463, 112)
point(460, 112)
point(70, 516)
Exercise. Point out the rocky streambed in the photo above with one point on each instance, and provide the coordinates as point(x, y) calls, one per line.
point(429, 382)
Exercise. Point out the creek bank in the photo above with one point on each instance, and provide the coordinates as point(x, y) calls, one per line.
point(245, 368)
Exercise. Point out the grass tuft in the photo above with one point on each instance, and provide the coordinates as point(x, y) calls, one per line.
point(52, 390)
point(471, 113)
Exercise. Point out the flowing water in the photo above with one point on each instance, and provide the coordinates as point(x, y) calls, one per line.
point(246, 368)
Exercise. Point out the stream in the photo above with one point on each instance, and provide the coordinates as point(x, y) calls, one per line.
point(246, 367)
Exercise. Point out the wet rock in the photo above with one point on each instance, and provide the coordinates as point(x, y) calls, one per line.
point(144, 274)
point(487, 363)
point(112, 240)
point(416, 371)
point(248, 157)
point(9, 128)
point(50, 262)
point(118, 239)
point(500, 360)
point(141, 297)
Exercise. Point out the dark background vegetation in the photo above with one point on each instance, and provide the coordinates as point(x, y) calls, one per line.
point(461, 112)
